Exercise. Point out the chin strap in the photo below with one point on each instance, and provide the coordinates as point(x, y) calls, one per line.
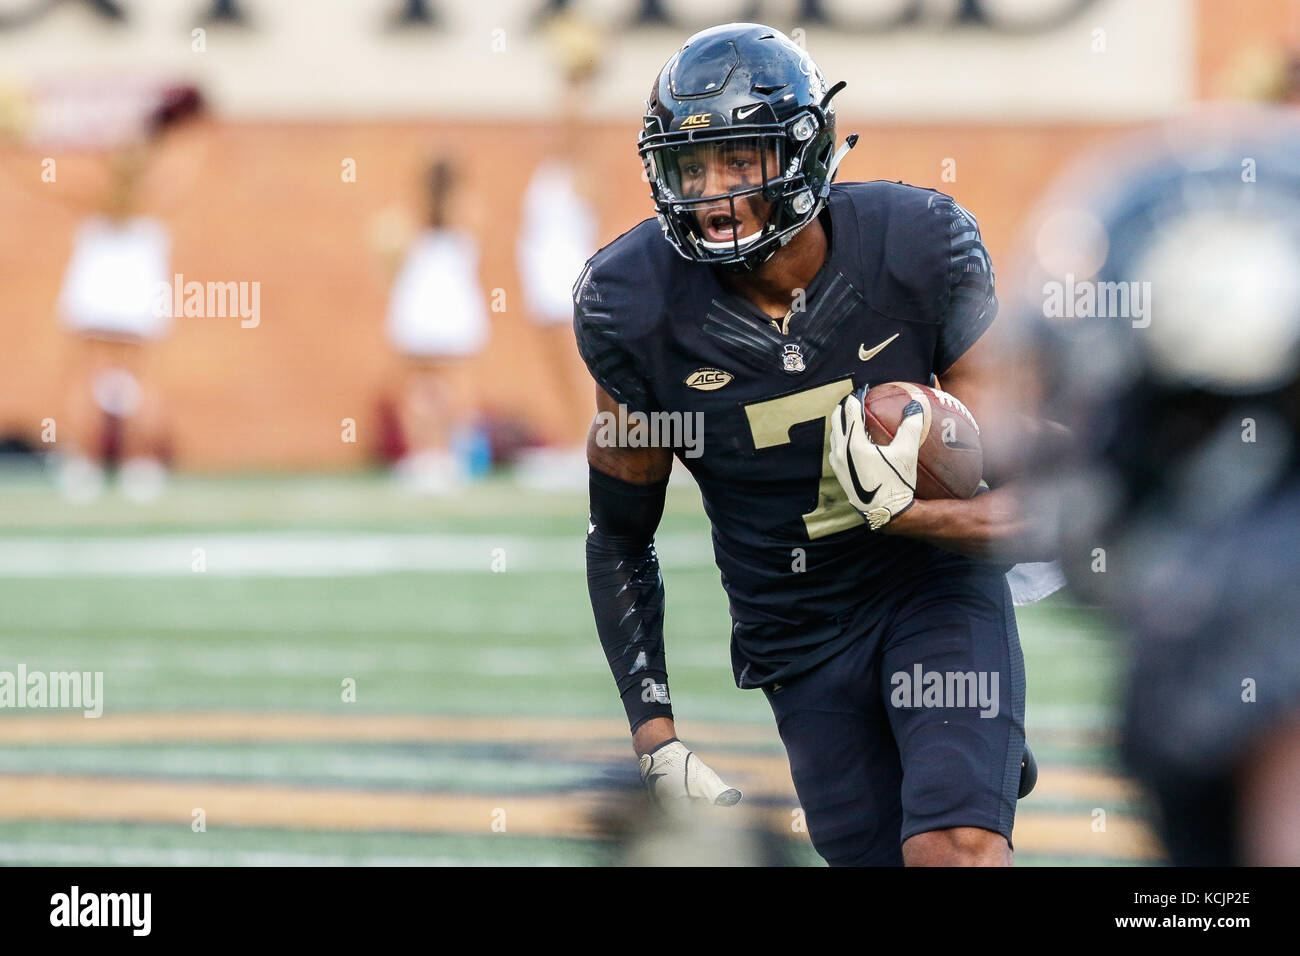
point(839, 156)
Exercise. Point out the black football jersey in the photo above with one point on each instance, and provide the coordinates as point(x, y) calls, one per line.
point(906, 288)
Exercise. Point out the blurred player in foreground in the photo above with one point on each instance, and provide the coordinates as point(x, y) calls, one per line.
point(640, 832)
point(754, 307)
point(1180, 502)
point(437, 321)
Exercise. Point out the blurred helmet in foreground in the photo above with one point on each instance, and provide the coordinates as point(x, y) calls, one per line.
point(1162, 306)
point(1164, 300)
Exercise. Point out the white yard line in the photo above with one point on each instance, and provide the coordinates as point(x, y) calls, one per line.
point(97, 855)
point(309, 554)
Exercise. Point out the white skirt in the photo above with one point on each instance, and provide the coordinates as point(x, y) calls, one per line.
point(115, 279)
point(437, 307)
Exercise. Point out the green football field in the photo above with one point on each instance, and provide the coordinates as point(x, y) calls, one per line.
point(322, 670)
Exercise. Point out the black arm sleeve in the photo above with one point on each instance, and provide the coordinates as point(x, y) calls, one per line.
point(627, 591)
point(972, 304)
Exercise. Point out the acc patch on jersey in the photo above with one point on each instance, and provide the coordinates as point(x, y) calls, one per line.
point(708, 379)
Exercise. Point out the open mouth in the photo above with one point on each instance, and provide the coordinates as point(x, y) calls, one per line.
point(720, 227)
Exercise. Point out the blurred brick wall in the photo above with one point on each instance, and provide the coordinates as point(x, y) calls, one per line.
point(270, 206)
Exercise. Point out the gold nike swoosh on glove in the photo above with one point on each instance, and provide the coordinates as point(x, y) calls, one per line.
point(867, 354)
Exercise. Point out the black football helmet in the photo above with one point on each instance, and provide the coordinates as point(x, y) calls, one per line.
point(1200, 219)
point(732, 90)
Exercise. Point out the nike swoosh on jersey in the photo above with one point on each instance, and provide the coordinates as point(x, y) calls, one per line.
point(867, 354)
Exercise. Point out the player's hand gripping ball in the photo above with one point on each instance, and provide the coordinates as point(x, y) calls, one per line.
point(903, 441)
point(880, 480)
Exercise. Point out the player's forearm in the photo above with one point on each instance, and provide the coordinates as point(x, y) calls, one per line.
point(627, 592)
point(627, 599)
point(991, 525)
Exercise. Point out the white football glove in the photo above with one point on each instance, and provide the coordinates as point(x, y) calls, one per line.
point(880, 480)
point(671, 773)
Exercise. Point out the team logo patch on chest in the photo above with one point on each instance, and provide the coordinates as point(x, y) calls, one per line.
point(792, 358)
point(708, 379)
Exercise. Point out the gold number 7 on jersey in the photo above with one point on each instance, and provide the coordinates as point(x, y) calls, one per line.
point(770, 422)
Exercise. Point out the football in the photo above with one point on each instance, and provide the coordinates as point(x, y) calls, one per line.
point(951, 462)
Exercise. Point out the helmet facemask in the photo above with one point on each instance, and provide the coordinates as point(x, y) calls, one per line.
point(732, 197)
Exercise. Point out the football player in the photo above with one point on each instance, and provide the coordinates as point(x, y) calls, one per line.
point(1185, 474)
point(761, 298)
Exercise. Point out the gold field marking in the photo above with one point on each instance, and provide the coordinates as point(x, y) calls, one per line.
point(101, 799)
point(130, 728)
